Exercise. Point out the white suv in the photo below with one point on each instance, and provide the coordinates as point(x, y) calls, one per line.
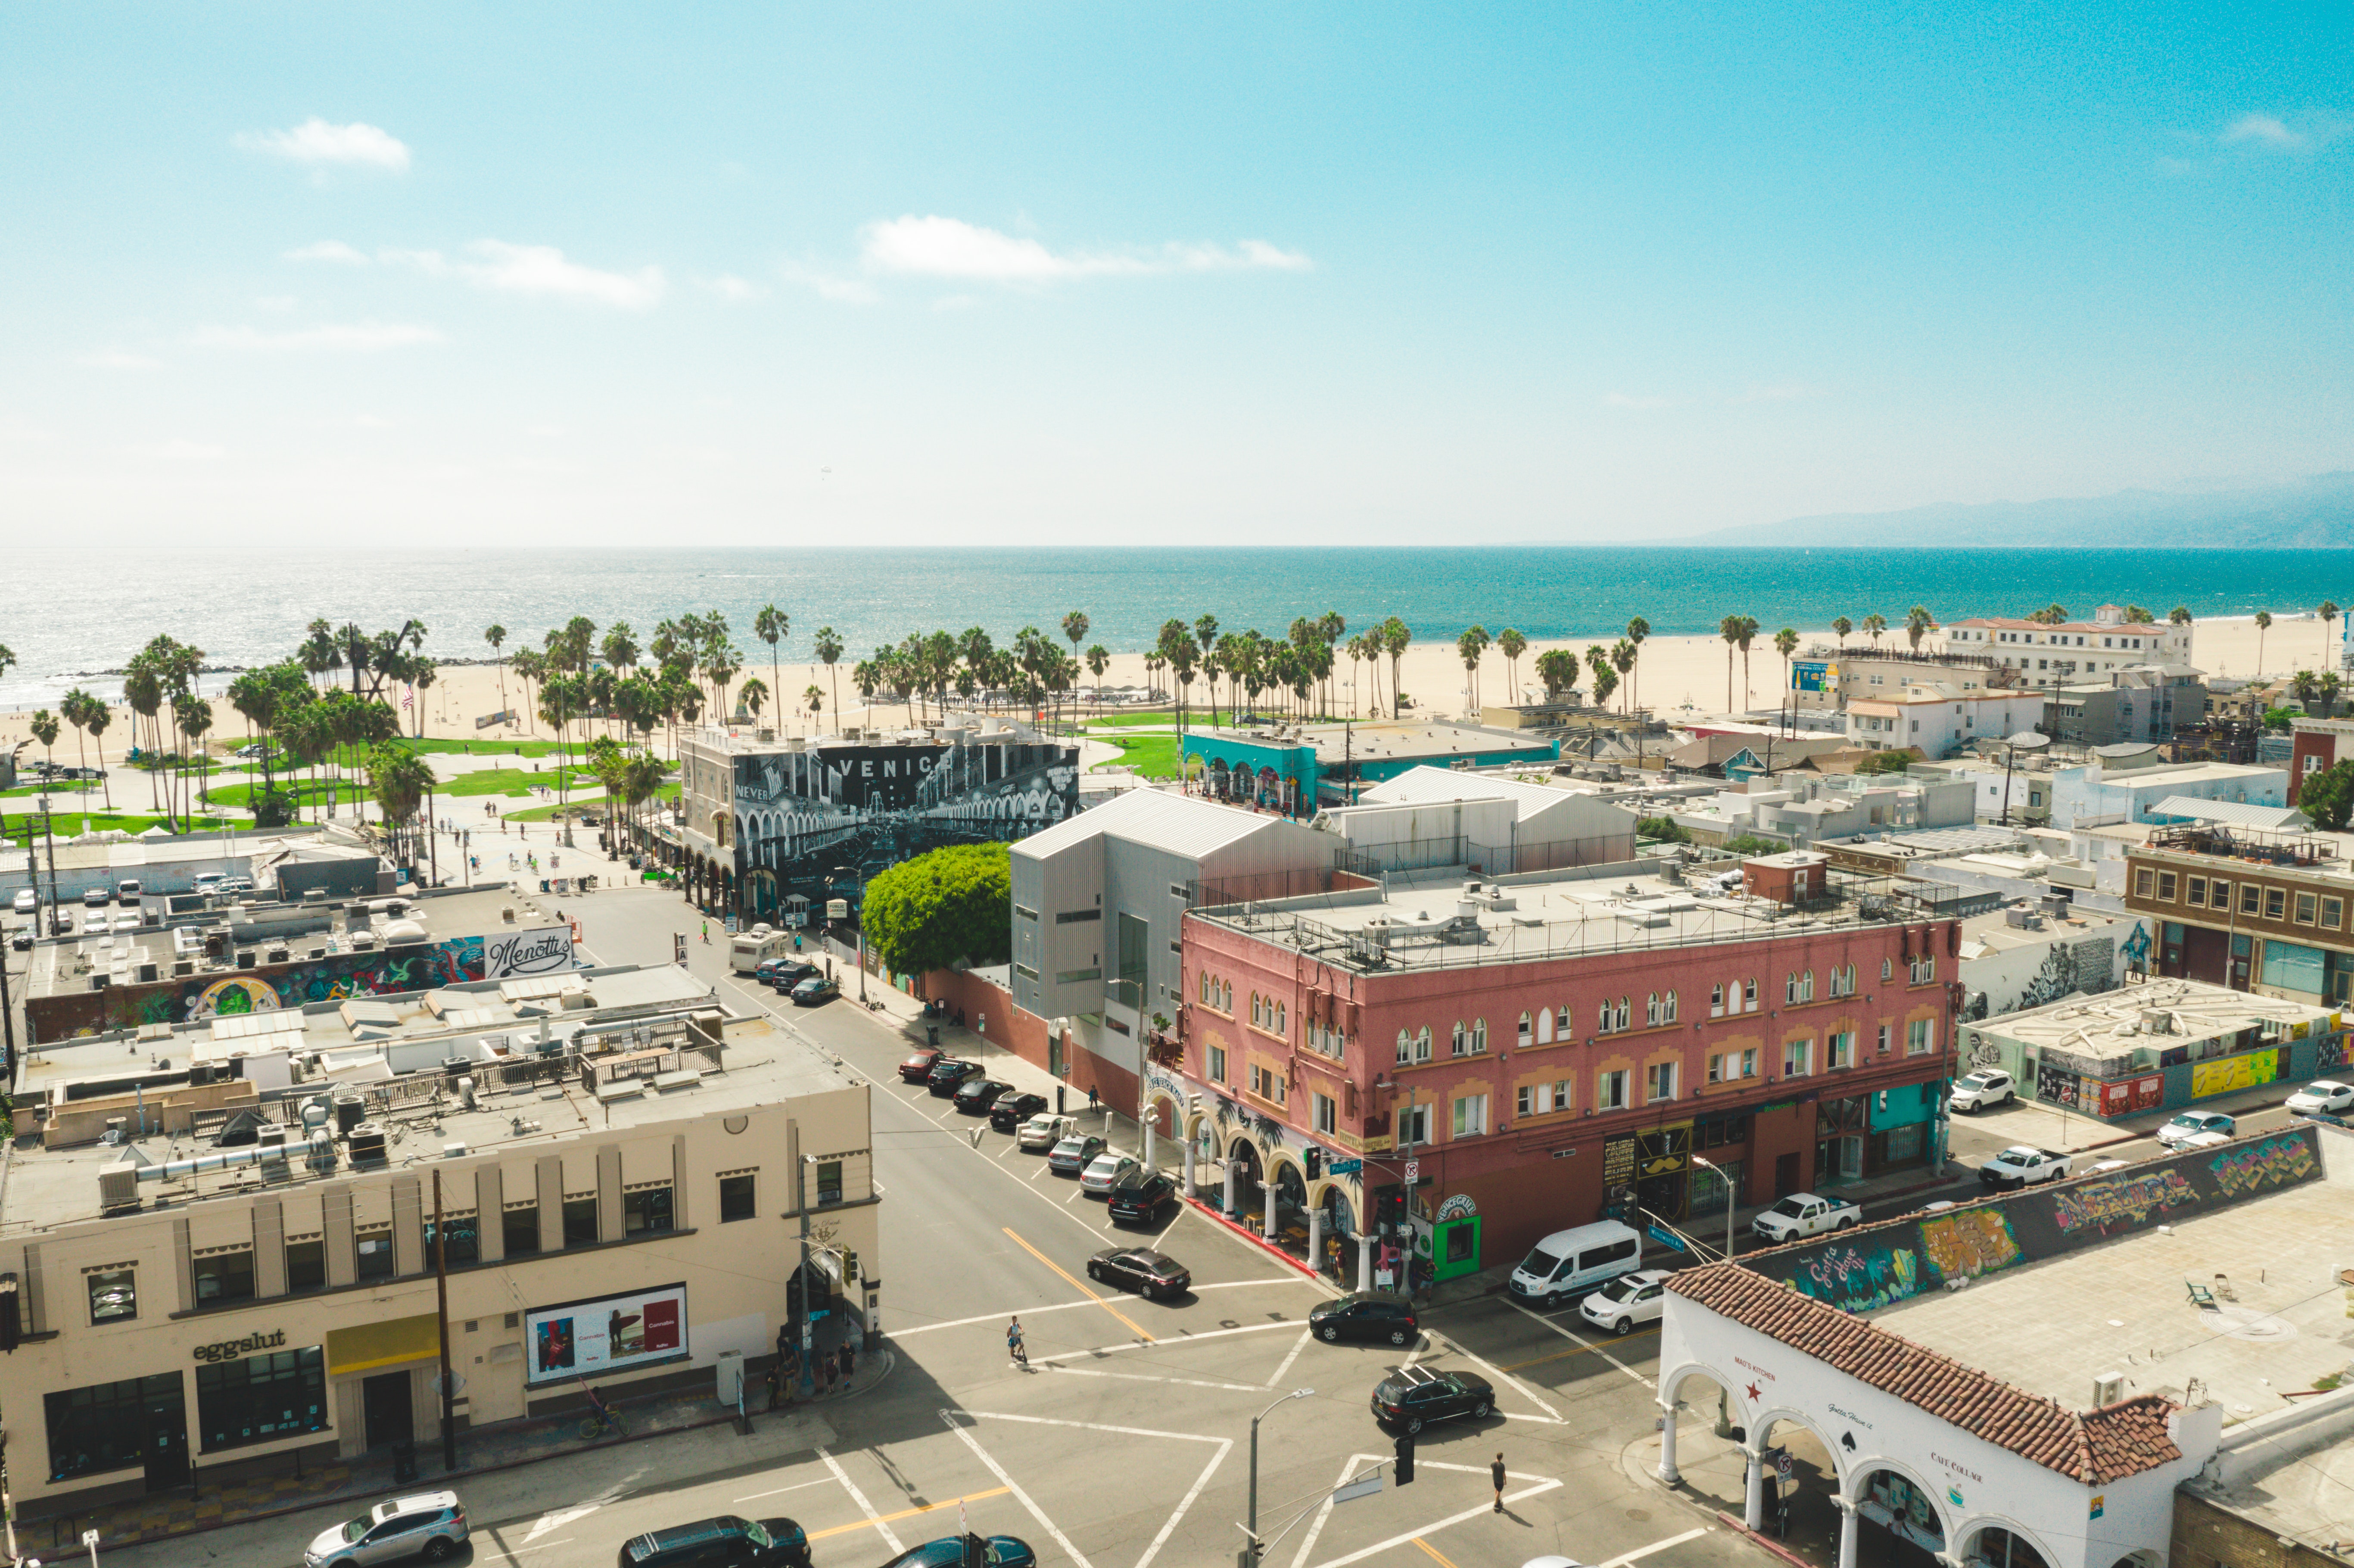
point(1629, 1299)
point(432, 1524)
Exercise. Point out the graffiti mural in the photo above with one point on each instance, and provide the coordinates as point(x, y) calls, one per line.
point(1970, 1242)
point(2274, 1162)
point(2087, 966)
point(2097, 1205)
point(1857, 1279)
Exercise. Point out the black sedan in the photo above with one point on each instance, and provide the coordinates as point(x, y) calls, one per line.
point(730, 1539)
point(813, 990)
point(974, 1097)
point(995, 1552)
point(1011, 1110)
point(1153, 1274)
point(1365, 1315)
point(947, 1074)
point(785, 973)
point(1414, 1396)
point(1139, 1200)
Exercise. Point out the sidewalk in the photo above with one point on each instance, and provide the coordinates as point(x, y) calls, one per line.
point(2050, 1127)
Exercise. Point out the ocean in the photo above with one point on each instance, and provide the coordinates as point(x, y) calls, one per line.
point(73, 614)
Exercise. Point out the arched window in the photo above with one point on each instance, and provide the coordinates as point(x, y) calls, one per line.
point(1460, 1043)
point(1479, 1036)
point(1562, 1028)
point(1227, 996)
point(1256, 1010)
point(1716, 1001)
point(1422, 1045)
point(1668, 1007)
point(1405, 1048)
point(1623, 1014)
point(1601, 1017)
point(1281, 1026)
point(1544, 1025)
point(1526, 1034)
point(1887, 969)
point(1807, 986)
point(1651, 1011)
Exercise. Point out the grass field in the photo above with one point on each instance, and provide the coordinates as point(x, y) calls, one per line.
point(63, 823)
point(541, 813)
point(1154, 756)
point(513, 781)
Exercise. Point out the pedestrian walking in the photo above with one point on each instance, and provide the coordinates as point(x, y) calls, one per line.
point(1496, 1474)
point(849, 1360)
point(1013, 1344)
point(706, 925)
point(775, 1381)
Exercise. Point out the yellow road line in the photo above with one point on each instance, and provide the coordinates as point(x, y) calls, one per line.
point(912, 1512)
point(1572, 1350)
point(1434, 1550)
point(1133, 1327)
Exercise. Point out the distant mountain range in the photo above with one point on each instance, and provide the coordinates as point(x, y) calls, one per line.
point(2306, 513)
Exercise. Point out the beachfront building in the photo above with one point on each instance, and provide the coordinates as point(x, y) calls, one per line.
point(774, 828)
point(1297, 768)
point(2257, 904)
point(222, 1243)
point(1479, 1061)
point(1826, 678)
point(2071, 650)
point(1938, 718)
point(2120, 784)
point(1495, 825)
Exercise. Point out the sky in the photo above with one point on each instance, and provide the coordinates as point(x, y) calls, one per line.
point(1203, 273)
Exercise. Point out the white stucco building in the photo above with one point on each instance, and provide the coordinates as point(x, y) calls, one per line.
point(1937, 716)
point(2074, 649)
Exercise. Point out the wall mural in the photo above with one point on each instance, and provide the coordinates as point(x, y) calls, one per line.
point(2225, 1073)
point(2274, 1163)
point(1968, 1243)
point(2120, 1199)
point(1859, 1279)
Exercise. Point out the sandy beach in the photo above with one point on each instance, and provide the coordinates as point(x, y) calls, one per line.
point(1676, 676)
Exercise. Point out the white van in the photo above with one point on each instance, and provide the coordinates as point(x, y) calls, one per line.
point(747, 950)
point(1571, 1262)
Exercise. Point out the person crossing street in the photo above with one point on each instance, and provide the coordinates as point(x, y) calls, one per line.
point(1013, 1345)
point(1496, 1473)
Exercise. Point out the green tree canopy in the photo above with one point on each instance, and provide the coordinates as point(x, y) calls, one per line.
point(955, 902)
point(2327, 797)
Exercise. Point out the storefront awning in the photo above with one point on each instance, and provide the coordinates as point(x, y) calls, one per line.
point(373, 1345)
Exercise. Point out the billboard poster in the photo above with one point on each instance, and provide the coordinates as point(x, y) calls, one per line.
point(1814, 675)
point(2241, 1072)
point(547, 950)
point(820, 823)
point(611, 1333)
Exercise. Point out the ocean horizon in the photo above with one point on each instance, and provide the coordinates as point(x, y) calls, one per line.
point(77, 614)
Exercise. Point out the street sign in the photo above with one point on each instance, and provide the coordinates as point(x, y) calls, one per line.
point(1356, 1489)
point(1666, 1237)
point(1345, 1166)
point(1413, 1172)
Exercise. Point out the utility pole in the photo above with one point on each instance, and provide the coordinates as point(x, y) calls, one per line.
point(441, 1302)
point(1250, 1528)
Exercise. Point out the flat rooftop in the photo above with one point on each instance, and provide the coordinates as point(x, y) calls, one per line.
point(2154, 1015)
point(1337, 744)
point(2051, 1328)
point(1994, 932)
point(1452, 918)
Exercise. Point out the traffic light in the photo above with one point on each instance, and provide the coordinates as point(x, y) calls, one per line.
point(1314, 1160)
point(849, 1268)
point(1403, 1469)
point(793, 1296)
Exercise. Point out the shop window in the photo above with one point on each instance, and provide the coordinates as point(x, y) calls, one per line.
point(580, 1219)
point(520, 1226)
point(262, 1399)
point(306, 1264)
point(647, 1209)
point(375, 1252)
point(465, 1239)
point(104, 1427)
point(225, 1276)
point(113, 1296)
point(736, 1198)
point(829, 1182)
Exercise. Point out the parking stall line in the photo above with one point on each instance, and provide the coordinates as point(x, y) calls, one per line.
point(1302, 1345)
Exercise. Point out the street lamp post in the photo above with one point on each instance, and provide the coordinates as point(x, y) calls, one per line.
point(1711, 1165)
point(1250, 1526)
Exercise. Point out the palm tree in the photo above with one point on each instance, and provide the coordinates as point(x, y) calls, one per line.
point(1396, 638)
point(194, 716)
point(721, 661)
point(2264, 622)
point(1099, 660)
point(754, 693)
point(1557, 668)
point(2326, 690)
point(2329, 613)
point(1918, 623)
point(1749, 635)
point(402, 784)
point(1177, 648)
point(143, 693)
point(772, 626)
point(1470, 646)
point(828, 654)
point(95, 718)
point(1637, 630)
point(813, 698)
point(74, 708)
point(46, 729)
point(1730, 629)
point(1075, 630)
point(1875, 625)
point(320, 652)
point(1844, 628)
point(1512, 645)
point(1785, 643)
point(1623, 655)
point(496, 635)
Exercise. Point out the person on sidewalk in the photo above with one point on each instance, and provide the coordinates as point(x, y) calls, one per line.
point(1496, 1474)
point(849, 1360)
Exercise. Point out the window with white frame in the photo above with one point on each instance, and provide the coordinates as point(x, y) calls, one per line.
point(1610, 1090)
point(1413, 1049)
point(1749, 1062)
point(1843, 981)
point(1842, 1047)
point(1266, 1084)
point(1659, 1009)
point(1282, 1021)
point(1797, 1058)
point(1716, 1067)
point(1562, 1027)
point(1541, 1099)
point(1660, 1081)
point(1325, 1111)
point(1612, 1016)
point(1716, 1001)
point(1923, 970)
point(1887, 969)
point(1259, 1012)
point(1414, 1126)
point(1884, 1039)
point(1749, 995)
point(1920, 1035)
point(1470, 1114)
point(1217, 1064)
point(1526, 1034)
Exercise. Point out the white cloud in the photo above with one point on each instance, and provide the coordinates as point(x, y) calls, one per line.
point(538, 270)
point(840, 291)
point(734, 290)
point(1629, 400)
point(315, 142)
point(119, 359)
point(356, 337)
point(329, 250)
point(935, 246)
point(2266, 131)
point(184, 451)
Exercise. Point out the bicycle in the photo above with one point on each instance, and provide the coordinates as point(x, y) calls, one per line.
point(600, 1420)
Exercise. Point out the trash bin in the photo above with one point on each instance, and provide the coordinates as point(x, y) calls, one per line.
point(935, 1033)
point(404, 1464)
point(542, 885)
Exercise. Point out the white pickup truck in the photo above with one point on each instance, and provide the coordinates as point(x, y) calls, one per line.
point(2022, 1166)
point(1804, 1214)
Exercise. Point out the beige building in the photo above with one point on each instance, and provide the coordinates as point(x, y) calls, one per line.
point(222, 1238)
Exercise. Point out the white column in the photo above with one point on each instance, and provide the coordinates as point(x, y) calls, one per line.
point(1148, 1137)
point(1669, 1474)
point(1364, 1263)
point(1847, 1532)
point(1753, 1503)
point(1723, 1427)
point(1266, 1213)
point(1315, 1238)
point(1186, 1153)
point(1229, 1210)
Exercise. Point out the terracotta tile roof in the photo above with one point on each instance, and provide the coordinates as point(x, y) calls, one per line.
point(2093, 1448)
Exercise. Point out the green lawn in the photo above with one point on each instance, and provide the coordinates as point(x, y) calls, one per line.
point(63, 823)
point(1154, 756)
point(513, 781)
point(302, 790)
point(1115, 720)
point(541, 813)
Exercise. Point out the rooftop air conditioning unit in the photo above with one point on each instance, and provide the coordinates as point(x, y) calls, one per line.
point(148, 974)
point(2107, 1389)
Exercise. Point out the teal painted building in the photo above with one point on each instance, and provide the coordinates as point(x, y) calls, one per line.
point(1300, 770)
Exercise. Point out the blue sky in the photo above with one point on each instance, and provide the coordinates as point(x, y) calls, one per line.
point(1206, 273)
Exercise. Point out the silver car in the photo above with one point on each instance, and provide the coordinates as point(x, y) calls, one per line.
point(430, 1524)
point(1107, 1172)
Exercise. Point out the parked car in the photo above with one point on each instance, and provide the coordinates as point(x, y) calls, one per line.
point(125, 921)
point(1986, 1087)
point(2205, 1140)
point(1107, 1171)
point(1139, 1197)
point(237, 885)
point(26, 902)
point(1043, 1132)
point(1155, 1275)
point(2023, 1165)
point(1414, 1396)
point(93, 924)
point(784, 973)
point(918, 1067)
point(1804, 1214)
point(996, 1551)
point(2190, 1124)
point(1569, 1263)
point(813, 990)
point(1011, 1110)
point(1629, 1299)
point(975, 1095)
point(1074, 1154)
point(729, 1541)
point(129, 890)
point(424, 1524)
point(1366, 1315)
point(2104, 1167)
point(947, 1074)
point(95, 898)
point(2326, 1098)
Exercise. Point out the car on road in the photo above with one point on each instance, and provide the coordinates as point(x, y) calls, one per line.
point(95, 898)
point(423, 1524)
point(917, 1068)
point(813, 990)
point(2190, 1124)
point(947, 1074)
point(1042, 1132)
point(1011, 1110)
point(1567, 1264)
point(996, 1551)
point(1155, 1275)
point(1804, 1214)
point(2326, 1098)
point(1139, 1197)
point(1979, 1091)
point(975, 1095)
point(1074, 1154)
point(783, 973)
point(730, 1541)
point(2023, 1165)
point(1627, 1300)
point(1365, 1315)
point(26, 902)
point(1107, 1171)
point(2104, 1167)
point(1413, 1397)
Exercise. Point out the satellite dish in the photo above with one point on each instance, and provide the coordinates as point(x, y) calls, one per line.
point(2028, 740)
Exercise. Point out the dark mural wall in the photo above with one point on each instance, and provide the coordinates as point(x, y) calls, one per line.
point(1885, 1264)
